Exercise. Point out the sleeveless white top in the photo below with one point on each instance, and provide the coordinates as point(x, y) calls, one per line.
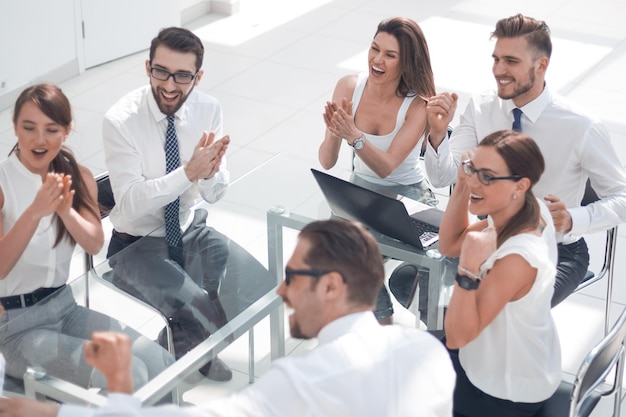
point(408, 172)
point(40, 265)
point(517, 357)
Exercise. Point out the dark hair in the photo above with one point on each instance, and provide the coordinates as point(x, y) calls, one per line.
point(54, 104)
point(417, 74)
point(536, 32)
point(523, 157)
point(180, 40)
point(348, 248)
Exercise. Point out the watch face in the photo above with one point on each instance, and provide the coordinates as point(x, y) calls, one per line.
point(358, 144)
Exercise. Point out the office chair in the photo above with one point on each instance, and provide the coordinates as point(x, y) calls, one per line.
point(578, 399)
point(106, 202)
point(608, 264)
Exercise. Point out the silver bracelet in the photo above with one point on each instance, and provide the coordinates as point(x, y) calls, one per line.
point(465, 271)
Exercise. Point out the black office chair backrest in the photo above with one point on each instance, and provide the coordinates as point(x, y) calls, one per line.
point(106, 201)
point(590, 195)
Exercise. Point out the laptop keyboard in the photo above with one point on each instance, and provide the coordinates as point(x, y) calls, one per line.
point(428, 233)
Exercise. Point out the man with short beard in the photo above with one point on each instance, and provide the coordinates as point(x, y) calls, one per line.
point(164, 151)
point(575, 146)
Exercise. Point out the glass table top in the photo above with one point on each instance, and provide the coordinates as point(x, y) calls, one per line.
point(283, 186)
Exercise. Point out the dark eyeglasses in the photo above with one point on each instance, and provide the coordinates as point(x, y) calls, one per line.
point(290, 273)
point(469, 169)
point(179, 77)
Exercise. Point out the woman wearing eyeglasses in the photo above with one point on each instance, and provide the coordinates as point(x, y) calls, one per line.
point(508, 359)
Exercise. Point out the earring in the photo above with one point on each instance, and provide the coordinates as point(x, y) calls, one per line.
point(514, 196)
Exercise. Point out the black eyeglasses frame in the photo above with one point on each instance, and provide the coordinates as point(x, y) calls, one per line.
point(173, 75)
point(469, 169)
point(316, 273)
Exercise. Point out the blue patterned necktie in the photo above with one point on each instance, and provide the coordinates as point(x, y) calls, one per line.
point(517, 122)
point(172, 222)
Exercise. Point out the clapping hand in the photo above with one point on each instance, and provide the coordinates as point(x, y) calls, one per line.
point(50, 195)
point(67, 196)
point(207, 157)
point(440, 109)
point(340, 121)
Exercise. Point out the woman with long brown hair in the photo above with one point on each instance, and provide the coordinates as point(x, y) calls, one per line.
point(48, 204)
point(381, 115)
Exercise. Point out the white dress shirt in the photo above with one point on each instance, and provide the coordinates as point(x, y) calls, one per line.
point(134, 139)
point(360, 368)
point(574, 146)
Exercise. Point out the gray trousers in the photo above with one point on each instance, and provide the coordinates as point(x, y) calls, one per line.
point(51, 335)
point(187, 296)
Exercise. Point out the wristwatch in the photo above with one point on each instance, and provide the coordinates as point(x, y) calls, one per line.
point(466, 282)
point(358, 143)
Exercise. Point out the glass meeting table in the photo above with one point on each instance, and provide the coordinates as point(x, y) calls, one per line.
point(261, 214)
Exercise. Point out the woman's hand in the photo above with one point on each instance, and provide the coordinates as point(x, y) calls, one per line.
point(341, 124)
point(477, 247)
point(329, 110)
point(49, 196)
point(65, 205)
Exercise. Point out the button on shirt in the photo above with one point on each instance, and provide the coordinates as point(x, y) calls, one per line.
point(134, 138)
point(574, 146)
point(360, 368)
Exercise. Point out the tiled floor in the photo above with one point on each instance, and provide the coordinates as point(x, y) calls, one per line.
point(275, 63)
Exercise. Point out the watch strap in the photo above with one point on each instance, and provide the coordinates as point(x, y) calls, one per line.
point(466, 282)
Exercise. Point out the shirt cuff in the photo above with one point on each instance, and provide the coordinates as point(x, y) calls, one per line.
point(580, 224)
point(179, 177)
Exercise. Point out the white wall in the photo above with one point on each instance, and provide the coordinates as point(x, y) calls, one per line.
point(37, 39)
point(41, 40)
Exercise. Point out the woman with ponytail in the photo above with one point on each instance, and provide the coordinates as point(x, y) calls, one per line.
point(48, 204)
point(498, 326)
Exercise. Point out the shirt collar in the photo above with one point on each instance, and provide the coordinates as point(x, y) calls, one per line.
point(156, 112)
point(532, 110)
point(346, 324)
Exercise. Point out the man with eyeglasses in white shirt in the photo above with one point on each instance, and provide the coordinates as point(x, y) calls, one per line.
point(359, 367)
point(165, 150)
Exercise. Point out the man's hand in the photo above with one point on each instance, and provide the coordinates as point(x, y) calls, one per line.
point(111, 354)
point(440, 109)
point(207, 157)
point(24, 407)
point(560, 216)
